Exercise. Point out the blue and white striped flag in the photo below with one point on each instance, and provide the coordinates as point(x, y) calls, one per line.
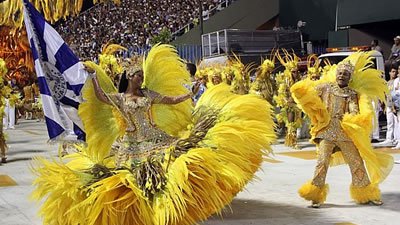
point(61, 77)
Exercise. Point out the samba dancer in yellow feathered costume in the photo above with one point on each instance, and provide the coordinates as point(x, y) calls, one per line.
point(340, 109)
point(289, 113)
point(241, 76)
point(4, 92)
point(264, 85)
point(178, 166)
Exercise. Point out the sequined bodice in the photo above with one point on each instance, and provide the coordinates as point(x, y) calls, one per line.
point(338, 102)
point(137, 115)
point(138, 120)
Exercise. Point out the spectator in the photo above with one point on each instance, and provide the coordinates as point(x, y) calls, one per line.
point(394, 57)
point(375, 46)
point(393, 129)
point(395, 51)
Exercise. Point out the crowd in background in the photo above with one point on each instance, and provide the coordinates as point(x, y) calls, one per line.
point(132, 23)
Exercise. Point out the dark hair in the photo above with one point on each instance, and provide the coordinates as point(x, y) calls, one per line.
point(192, 68)
point(123, 83)
point(375, 41)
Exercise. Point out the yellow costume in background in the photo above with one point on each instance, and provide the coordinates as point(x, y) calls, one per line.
point(182, 166)
point(289, 113)
point(264, 85)
point(241, 76)
point(4, 92)
point(109, 63)
point(341, 124)
point(313, 68)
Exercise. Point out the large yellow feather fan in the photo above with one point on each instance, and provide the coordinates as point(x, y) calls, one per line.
point(166, 73)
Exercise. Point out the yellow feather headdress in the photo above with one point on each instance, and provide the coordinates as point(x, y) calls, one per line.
point(313, 68)
point(267, 66)
point(288, 61)
point(108, 61)
point(133, 64)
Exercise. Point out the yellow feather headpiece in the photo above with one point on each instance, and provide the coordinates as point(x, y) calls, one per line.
point(110, 49)
point(313, 67)
point(133, 64)
point(289, 61)
point(267, 66)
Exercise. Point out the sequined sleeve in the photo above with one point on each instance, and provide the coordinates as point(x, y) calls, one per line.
point(153, 96)
point(353, 104)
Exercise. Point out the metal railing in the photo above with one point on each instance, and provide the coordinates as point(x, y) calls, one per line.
point(248, 42)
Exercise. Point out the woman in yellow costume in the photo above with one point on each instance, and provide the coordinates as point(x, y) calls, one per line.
point(241, 76)
point(289, 113)
point(4, 91)
point(264, 85)
point(175, 165)
point(340, 109)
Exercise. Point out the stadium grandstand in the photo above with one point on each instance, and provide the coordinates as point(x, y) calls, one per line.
point(133, 23)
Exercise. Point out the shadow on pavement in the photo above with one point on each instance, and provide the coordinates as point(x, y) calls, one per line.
point(18, 142)
point(34, 151)
point(18, 159)
point(354, 205)
point(391, 201)
point(247, 211)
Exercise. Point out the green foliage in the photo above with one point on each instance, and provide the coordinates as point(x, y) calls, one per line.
point(164, 37)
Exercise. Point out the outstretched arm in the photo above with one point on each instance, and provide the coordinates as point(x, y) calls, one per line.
point(157, 98)
point(173, 99)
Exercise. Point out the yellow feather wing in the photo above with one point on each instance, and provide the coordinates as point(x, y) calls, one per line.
point(367, 80)
point(102, 122)
point(165, 73)
point(358, 127)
